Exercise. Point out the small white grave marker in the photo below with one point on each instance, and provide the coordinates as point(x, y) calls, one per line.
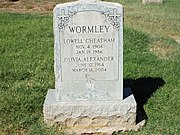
point(152, 1)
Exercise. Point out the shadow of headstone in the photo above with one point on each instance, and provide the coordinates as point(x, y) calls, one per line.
point(8, 0)
point(142, 89)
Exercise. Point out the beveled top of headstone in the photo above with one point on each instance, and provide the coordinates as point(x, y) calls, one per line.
point(88, 50)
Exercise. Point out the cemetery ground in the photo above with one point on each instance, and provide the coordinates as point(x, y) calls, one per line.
point(151, 66)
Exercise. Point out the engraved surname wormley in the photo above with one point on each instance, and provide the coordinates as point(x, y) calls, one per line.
point(89, 29)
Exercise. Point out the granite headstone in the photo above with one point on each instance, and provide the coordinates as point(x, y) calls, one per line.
point(88, 54)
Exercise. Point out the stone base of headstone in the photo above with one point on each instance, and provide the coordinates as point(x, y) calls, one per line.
point(77, 117)
point(152, 1)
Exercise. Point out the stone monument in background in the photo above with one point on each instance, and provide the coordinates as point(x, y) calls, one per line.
point(152, 1)
point(88, 55)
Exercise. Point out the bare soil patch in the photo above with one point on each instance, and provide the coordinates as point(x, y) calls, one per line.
point(27, 7)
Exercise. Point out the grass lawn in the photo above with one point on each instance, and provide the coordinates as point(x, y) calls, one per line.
point(150, 51)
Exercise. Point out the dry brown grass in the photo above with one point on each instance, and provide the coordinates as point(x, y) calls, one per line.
point(27, 7)
point(176, 38)
point(163, 50)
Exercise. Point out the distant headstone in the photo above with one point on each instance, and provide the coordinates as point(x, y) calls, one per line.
point(152, 1)
point(88, 94)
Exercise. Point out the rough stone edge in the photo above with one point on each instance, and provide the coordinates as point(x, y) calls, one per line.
point(53, 114)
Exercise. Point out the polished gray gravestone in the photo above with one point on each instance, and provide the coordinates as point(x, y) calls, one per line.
point(88, 54)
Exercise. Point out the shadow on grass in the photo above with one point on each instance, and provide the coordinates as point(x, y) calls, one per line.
point(142, 89)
